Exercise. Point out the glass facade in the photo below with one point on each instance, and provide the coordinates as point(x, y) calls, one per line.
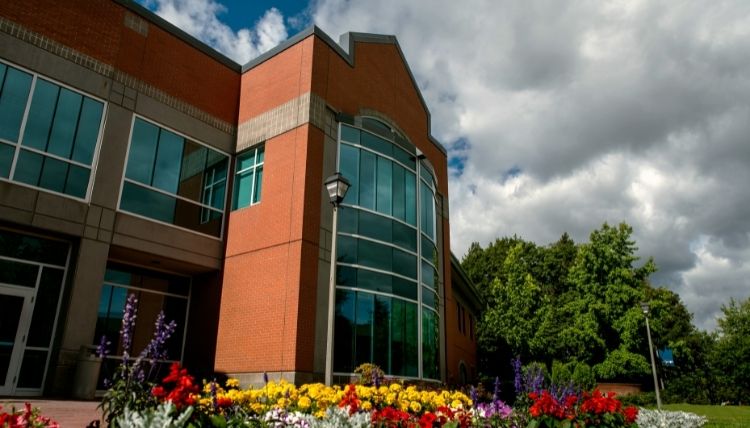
point(248, 178)
point(387, 294)
point(48, 133)
point(155, 292)
point(32, 274)
point(172, 179)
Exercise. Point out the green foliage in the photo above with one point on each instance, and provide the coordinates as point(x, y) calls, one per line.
point(575, 373)
point(622, 362)
point(567, 302)
point(730, 357)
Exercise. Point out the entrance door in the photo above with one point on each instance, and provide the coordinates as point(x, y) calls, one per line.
point(16, 304)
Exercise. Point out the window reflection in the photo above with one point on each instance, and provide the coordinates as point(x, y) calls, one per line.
point(174, 180)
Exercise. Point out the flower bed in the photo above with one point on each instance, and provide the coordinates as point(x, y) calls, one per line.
point(27, 418)
point(279, 404)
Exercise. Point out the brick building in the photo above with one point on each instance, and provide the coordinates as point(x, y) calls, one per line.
point(136, 160)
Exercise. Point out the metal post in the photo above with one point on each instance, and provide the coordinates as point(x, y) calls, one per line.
point(331, 303)
point(653, 365)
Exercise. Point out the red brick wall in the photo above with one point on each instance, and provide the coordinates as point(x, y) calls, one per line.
point(270, 275)
point(460, 346)
point(282, 78)
point(159, 59)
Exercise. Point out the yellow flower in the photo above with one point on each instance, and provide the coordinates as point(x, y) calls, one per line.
point(304, 403)
point(390, 398)
point(366, 406)
point(455, 404)
point(395, 387)
point(415, 407)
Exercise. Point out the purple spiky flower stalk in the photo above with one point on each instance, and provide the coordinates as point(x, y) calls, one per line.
point(517, 380)
point(102, 349)
point(128, 325)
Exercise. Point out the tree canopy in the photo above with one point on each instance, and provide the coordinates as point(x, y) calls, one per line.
point(569, 302)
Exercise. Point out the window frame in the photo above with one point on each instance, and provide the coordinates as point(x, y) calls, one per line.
point(201, 205)
point(252, 171)
point(19, 144)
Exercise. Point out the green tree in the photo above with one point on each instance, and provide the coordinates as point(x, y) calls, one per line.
point(570, 302)
point(730, 359)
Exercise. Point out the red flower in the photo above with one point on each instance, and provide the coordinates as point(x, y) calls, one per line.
point(350, 399)
point(631, 414)
point(158, 391)
point(181, 394)
point(427, 420)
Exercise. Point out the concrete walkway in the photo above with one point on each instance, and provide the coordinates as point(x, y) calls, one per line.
point(68, 413)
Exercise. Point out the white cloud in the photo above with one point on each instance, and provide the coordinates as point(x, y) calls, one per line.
point(201, 19)
point(568, 114)
point(606, 111)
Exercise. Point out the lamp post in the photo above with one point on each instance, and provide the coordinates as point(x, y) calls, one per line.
point(336, 185)
point(645, 308)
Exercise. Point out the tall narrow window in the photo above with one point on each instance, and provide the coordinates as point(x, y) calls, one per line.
point(248, 178)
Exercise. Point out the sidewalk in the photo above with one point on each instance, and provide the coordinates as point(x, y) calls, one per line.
point(68, 413)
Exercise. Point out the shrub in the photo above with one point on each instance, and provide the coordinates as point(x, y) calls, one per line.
point(668, 419)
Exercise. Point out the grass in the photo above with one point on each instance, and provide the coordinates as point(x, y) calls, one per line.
point(718, 416)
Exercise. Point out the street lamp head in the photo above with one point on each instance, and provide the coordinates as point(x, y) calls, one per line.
point(337, 185)
point(645, 308)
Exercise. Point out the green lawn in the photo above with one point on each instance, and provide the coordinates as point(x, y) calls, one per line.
point(718, 416)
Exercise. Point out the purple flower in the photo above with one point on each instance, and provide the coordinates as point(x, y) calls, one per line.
point(214, 402)
point(128, 325)
point(533, 379)
point(156, 348)
point(102, 350)
point(265, 377)
point(474, 395)
point(518, 377)
point(376, 378)
point(496, 392)
point(494, 409)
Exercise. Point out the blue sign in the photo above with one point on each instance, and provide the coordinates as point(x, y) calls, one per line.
point(667, 359)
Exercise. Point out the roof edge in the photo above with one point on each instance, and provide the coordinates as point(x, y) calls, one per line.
point(162, 23)
point(346, 50)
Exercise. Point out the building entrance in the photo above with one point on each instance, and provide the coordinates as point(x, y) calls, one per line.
point(14, 324)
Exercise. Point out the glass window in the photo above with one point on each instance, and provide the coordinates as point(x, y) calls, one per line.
point(14, 94)
point(382, 205)
point(153, 296)
point(363, 332)
point(384, 186)
point(349, 167)
point(427, 210)
point(248, 178)
point(367, 180)
point(59, 138)
point(174, 180)
point(349, 134)
point(377, 144)
point(428, 274)
point(430, 345)
point(32, 248)
point(343, 346)
point(6, 159)
point(410, 183)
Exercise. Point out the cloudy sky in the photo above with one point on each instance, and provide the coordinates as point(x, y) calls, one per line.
point(559, 116)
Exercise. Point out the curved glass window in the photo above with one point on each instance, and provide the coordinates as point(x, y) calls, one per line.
point(385, 248)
